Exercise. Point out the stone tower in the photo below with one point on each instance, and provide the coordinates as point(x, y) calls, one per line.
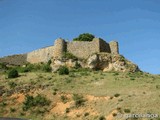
point(114, 47)
point(59, 48)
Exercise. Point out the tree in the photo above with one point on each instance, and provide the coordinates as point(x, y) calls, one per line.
point(84, 37)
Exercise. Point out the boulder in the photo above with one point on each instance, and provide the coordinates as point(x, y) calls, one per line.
point(93, 61)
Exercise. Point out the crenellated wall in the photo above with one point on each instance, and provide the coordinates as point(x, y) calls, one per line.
point(40, 55)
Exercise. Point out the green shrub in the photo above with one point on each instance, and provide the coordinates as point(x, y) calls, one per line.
point(3, 104)
point(69, 55)
point(102, 118)
point(77, 65)
point(86, 114)
point(157, 86)
point(116, 95)
point(84, 37)
point(3, 66)
point(78, 99)
point(114, 114)
point(25, 69)
point(127, 110)
point(12, 84)
point(31, 101)
point(67, 110)
point(49, 62)
point(22, 69)
point(12, 109)
point(46, 68)
point(68, 80)
point(13, 73)
point(63, 70)
point(132, 78)
point(115, 74)
point(64, 99)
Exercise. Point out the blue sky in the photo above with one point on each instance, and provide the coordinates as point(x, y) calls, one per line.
point(26, 25)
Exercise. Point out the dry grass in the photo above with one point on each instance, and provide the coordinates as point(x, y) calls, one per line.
point(137, 92)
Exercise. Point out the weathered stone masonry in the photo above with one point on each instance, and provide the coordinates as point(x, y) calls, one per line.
point(81, 49)
point(40, 55)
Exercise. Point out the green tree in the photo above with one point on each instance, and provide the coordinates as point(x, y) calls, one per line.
point(84, 37)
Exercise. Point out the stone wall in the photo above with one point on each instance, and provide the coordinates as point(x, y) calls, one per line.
point(60, 47)
point(104, 46)
point(83, 49)
point(40, 55)
point(114, 47)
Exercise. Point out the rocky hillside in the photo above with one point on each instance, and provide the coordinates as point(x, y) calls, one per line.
point(98, 61)
point(14, 59)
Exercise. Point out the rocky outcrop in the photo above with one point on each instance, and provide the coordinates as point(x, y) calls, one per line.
point(109, 62)
point(99, 61)
point(57, 63)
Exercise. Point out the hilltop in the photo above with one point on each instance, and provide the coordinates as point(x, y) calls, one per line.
point(82, 80)
point(85, 50)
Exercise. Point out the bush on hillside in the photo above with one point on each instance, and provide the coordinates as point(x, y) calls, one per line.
point(49, 62)
point(13, 73)
point(46, 68)
point(22, 69)
point(77, 65)
point(84, 37)
point(31, 101)
point(69, 55)
point(3, 66)
point(63, 70)
point(79, 100)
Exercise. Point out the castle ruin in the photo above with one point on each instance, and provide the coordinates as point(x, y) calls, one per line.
point(80, 49)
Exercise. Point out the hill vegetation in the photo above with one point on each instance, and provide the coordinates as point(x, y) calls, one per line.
point(80, 94)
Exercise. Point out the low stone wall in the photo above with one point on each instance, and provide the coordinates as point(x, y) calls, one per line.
point(41, 55)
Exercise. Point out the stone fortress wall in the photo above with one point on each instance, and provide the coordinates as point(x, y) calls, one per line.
point(81, 49)
point(40, 55)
